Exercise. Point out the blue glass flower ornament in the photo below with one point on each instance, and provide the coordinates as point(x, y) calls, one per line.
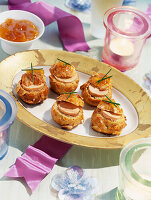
point(147, 81)
point(80, 5)
point(75, 184)
point(129, 3)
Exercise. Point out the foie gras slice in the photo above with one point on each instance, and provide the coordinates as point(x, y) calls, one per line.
point(110, 115)
point(96, 92)
point(66, 80)
point(68, 108)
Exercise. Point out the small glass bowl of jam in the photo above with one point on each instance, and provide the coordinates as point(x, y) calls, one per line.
point(18, 30)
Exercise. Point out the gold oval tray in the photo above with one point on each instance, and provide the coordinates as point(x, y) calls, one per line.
point(140, 100)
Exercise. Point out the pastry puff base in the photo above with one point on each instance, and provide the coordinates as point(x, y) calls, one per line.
point(32, 97)
point(62, 87)
point(66, 121)
point(103, 125)
point(93, 101)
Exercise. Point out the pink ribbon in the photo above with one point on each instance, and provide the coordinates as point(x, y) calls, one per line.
point(69, 26)
point(38, 160)
point(148, 11)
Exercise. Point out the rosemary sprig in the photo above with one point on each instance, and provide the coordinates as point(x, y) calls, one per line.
point(72, 92)
point(110, 101)
point(31, 69)
point(104, 77)
point(63, 61)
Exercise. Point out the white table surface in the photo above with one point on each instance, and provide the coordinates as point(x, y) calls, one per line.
point(100, 163)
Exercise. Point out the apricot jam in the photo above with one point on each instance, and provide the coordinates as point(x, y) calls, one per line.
point(40, 71)
point(18, 30)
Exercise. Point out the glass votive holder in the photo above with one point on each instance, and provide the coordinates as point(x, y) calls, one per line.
point(127, 29)
point(135, 171)
point(8, 110)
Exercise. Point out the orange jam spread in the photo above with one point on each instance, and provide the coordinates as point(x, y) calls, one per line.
point(40, 71)
point(18, 30)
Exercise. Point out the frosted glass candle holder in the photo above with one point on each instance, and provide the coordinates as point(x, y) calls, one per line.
point(127, 29)
point(135, 171)
point(8, 111)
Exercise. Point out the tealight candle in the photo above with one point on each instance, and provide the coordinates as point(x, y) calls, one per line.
point(122, 47)
point(126, 31)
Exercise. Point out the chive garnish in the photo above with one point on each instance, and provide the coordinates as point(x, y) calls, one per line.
point(110, 101)
point(31, 69)
point(72, 92)
point(104, 77)
point(63, 61)
point(108, 98)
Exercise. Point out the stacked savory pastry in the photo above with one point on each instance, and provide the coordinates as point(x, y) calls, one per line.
point(108, 117)
point(32, 87)
point(63, 78)
point(95, 89)
point(67, 110)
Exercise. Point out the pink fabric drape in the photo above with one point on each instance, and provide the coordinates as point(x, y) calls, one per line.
point(69, 26)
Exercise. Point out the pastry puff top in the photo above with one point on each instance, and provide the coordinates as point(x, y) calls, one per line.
point(62, 70)
point(93, 80)
point(110, 107)
point(75, 99)
point(38, 79)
